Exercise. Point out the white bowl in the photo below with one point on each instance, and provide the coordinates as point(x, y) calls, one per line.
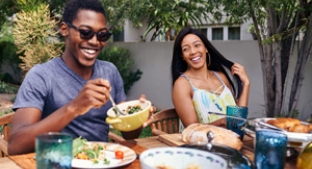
point(180, 158)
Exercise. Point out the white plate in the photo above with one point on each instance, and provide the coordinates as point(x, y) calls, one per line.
point(180, 158)
point(129, 157)
point(296, 140)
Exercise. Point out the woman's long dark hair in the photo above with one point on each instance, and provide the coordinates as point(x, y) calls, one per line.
point(217, 61)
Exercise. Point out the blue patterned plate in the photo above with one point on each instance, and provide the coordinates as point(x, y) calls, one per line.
point(235, 159)
point(180, 158)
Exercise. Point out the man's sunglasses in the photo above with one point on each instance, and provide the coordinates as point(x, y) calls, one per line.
point(88, 34)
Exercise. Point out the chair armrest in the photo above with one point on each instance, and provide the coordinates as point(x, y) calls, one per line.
point(6, 119)
point(3, 146)
point(115, 137)
point(148, 122)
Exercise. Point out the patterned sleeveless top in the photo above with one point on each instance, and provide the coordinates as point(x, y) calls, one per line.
point(205, 101)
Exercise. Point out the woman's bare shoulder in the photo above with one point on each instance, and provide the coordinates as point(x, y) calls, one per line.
point(223, 77)
point(181, 82)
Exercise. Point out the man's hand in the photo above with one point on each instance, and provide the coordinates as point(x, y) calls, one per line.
point(94, 94)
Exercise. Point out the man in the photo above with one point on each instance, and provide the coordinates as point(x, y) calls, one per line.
point(69, 93)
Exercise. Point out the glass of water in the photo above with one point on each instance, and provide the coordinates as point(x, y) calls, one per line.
point(270, 151)
point(54, 151)
point(235, 124)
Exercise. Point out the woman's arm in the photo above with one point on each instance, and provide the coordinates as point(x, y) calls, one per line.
point(182, 100)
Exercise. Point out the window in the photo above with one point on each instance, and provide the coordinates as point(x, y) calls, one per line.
point(119, 36)
point(204, 31)
point(234, 33)
point(217, 33)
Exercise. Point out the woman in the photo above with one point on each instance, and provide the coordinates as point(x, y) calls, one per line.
point(204, 80)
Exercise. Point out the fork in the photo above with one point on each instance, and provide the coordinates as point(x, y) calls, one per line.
point(234, 117)
point(118, 111)
point(250, 122)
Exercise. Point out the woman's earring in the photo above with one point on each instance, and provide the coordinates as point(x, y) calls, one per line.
point(209, 60)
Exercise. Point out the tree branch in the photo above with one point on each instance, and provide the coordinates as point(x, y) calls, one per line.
point(281, 26)
point(256, 25)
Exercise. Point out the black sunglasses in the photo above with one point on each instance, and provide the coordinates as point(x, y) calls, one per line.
point(88, 34)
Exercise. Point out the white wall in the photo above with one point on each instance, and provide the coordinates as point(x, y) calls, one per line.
point(154, 60)
point(132, 34)
point(245, 35)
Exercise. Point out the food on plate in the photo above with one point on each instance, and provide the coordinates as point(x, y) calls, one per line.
point(284, 122)
point(197, 132)
point(132, 109)
point(301, 128)
point(94, 152)
point(193, 166)
point(119, 154)
point(290, 124)
point(164, 167)
point(189, 166)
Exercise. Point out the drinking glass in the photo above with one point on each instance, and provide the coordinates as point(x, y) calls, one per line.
point(54, 151)
point(236, 124)
point(270, 151)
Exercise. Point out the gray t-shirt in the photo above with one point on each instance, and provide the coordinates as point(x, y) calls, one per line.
point(53, 84)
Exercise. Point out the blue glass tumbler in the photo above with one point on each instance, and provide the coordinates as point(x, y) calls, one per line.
point(270, 151)
point(235, 124)
point(54, 151)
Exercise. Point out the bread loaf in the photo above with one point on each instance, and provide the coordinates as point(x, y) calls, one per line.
point(290, 124)
point(197, 132)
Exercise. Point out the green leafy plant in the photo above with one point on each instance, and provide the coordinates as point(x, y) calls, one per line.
point(35, 36)
point(161, 15)
point(121, 58)
point(7, 88)
point(293, 114)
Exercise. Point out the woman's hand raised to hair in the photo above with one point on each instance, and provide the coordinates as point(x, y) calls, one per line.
point(239, 70)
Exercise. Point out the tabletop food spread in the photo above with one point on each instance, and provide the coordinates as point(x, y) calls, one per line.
point(130, 153)
point(27, 161)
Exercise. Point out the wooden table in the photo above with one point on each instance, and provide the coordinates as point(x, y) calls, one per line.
point(26, 161)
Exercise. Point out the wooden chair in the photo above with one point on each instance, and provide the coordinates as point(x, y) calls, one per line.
point(164, 122)
point(5, 121)
point(115, 137)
